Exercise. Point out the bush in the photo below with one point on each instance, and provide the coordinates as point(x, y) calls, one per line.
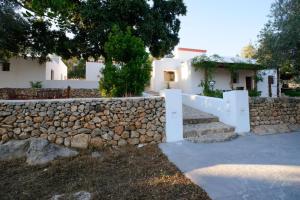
point(36, 84)
point(213, 93)
point(292, 93)
point(127, 67)
point(254, 93)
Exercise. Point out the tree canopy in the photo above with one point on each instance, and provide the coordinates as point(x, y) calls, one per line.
point(279, 40)
point(248, 51)
point(80, 28)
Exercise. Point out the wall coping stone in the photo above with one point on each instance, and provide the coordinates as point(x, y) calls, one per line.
point(76, 100)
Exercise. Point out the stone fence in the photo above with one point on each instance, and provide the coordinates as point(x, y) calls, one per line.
point(32, 93)
point(83, 123)
point(273, 115)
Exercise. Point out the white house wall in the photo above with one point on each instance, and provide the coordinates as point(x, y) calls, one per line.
point(59, 68)
point(92, 72)
point(222, 78)
point(21, 72)
point(263, 85)
point(186, 55)
point(158, 67)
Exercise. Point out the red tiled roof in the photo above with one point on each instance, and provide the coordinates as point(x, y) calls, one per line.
point(192, 50)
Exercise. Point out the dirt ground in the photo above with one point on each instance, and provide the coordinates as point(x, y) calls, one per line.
point(127, 173)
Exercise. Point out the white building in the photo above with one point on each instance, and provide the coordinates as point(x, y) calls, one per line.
point(93, 71)
point(19, 72)
point(178, 73)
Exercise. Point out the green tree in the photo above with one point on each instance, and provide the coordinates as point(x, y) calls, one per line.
point(127, 67)
point(248, 51)
point(80, 28)
point(13, 30)
point(279, 40)
point(76, 68)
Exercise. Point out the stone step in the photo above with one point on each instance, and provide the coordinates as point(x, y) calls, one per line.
point(187, 121)
point(194, 116)
point(213, 137)
point(196, 130)
point(208, 133)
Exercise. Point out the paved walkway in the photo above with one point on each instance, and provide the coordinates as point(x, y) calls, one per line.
point(250, 167)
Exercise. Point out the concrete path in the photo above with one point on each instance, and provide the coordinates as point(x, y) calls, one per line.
point(250, 167)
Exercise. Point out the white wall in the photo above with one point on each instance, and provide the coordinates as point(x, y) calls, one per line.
point(21, 72)
point(157, 81)
point(92, 72)
point(72, 83)
point(59, 68)
point(174, 119)
point(263, 85)
point(190, 78)
point(233, 109)
point(184, 55)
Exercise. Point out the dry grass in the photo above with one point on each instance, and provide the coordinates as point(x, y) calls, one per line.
point(130, 173)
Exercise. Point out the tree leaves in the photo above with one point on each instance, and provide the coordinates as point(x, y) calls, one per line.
point(90, 22)
point(279, 41)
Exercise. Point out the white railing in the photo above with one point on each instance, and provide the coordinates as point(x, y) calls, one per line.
point(233, 109)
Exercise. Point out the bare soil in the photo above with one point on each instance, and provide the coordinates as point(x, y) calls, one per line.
point(127, 173)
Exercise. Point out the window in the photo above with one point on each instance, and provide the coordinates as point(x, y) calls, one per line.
point(5, 67)
point(235, 77)
point(52, 74)
point(169, 76)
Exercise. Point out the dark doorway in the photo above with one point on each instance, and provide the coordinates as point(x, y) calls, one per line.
point(270, 82)
point(249, 83)
point(52, 74)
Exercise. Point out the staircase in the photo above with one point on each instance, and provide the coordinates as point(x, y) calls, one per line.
point(200, 127)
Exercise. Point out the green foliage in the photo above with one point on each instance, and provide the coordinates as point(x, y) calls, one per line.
point(279, 40)
point(292, 93)
point(127, 68)
point(83, 27)
point(254, 93)
point(214, 61)
point(13, 30)
point(248, 51)
point(77, 70)
point(36, 84)
point(213, 93)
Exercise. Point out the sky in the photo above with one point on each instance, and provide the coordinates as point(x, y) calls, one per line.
point(222, 27)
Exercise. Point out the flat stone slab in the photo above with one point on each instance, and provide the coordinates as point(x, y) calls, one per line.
point(250, 167)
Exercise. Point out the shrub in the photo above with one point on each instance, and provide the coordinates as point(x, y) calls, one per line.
point(213, 93)
point(36, 84)
point(254, 93)
point(292, 93)
point(127, 67)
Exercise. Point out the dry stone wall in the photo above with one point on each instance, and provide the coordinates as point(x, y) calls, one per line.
point(83, 123)
point(31, 93)
point(274, 115)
